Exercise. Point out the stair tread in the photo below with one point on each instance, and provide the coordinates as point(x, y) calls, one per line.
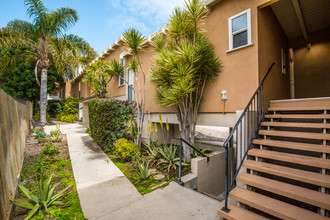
point(292, 158)
point(295, 125)
point(305, 116)
point(312, 197)
point(298, 108)
point(272, 206)
point(291, 173)
point(293, 145)
point(307, 135)
point(238, 213)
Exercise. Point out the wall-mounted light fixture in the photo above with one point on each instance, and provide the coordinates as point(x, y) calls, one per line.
point(224, 97)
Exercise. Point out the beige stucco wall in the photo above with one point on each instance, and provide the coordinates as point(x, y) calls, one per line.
point(271, 40)
point(312, 70)
point(14, 127)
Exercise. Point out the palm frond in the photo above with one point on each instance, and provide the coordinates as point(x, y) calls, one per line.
point(25, 28)
point(62, 19)
point(134, 40)
point(37, 11)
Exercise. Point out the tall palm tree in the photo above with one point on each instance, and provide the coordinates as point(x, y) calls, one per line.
point(44, 38)
point(185, 61)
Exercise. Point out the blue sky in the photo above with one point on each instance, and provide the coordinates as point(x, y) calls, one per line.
point(101, 22)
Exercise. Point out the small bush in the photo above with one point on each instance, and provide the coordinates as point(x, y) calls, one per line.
point(50, 149)
point(36, 116)
point(88, 131)
point(68, 110)
point(56, 136)
point(69, 118)
point(125, 149)
point(39, 133)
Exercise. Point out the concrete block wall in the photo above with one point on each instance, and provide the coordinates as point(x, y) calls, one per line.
point(14, 127)
point(210, 174)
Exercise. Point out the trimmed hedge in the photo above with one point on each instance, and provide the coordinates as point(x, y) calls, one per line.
point(67, 110)
point(107, 120)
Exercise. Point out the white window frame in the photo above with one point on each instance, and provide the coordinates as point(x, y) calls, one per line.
point(248, 29)
point(120, 76)
point(127, 85)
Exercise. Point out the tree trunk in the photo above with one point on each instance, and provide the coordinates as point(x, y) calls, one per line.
point(43, 96)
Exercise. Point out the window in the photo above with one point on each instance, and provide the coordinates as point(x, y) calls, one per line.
point(122, 75)
point(240, 30)
point(130, 85)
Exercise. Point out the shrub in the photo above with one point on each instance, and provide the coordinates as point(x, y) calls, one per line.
point(125, 149)
point(50, 149)
point(88, 131)
point(69, 118)
point(36, 116)
point(39, 133)
point(107, 120)
point(68, 110)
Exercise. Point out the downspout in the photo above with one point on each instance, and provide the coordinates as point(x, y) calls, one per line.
point(291, 60)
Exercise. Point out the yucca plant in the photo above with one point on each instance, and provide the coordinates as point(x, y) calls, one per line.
point(143, 170)
point(169, 158)
point(45, 199)
point(56, 136)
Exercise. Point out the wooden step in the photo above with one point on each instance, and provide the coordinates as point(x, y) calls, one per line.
point(299, 116)
point(294, 134)
point(295, 125)
point(272, 206)
point(322, 102)
point(290, 173)
point(308, 196)
point(238, 213)
point(291, 158)
point(299, 108)
point(293, 145)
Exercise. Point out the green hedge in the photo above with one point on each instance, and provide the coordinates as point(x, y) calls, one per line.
point(107, 120)
point(67, 109)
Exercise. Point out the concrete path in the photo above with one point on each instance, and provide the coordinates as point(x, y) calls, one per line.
point(105, 193)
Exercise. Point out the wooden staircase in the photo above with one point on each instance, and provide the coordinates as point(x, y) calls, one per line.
point(286, 173)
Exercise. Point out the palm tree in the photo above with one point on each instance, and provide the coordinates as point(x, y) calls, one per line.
point(44, 38)
point(134, 40)
point(99, 75)
point(185, 61)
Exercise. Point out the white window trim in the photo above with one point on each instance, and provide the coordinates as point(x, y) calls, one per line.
point(119, 84)
point(127, 71)
point(248, 17)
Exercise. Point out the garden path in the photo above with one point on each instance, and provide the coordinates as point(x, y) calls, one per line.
point(105, 193)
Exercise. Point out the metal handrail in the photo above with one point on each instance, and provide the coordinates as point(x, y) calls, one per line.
point(246, 129)
point(180, 162)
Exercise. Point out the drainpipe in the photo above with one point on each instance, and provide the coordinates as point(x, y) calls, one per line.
point(292, 95)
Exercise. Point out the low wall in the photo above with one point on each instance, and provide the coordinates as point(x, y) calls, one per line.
point(14, 126)
point(210, 174)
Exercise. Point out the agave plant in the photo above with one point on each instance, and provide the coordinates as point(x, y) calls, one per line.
point(198, 147)
point(143, 170)
point(169, 158)
point(56, 136)
point(153, 151)
point(45, 199)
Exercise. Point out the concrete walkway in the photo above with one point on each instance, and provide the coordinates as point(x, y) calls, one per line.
point(105, 193)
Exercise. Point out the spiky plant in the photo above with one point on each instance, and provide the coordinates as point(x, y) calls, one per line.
point(168, 157)
point(46, 41)
point(183, 66)
point(45, 198)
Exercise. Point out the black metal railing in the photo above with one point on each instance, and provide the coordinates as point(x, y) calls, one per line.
point(180, 162)
point(241, 137)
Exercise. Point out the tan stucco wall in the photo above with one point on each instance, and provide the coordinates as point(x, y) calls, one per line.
point(14, 127)
point(312, 70)
point(271, 40)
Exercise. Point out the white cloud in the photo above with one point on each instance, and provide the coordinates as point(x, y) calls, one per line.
point(154, 11)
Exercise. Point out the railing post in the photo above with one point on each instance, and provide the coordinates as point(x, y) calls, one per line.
point(180, 166)
point(225, 208)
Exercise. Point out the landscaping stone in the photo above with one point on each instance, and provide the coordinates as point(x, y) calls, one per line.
point(159, 176)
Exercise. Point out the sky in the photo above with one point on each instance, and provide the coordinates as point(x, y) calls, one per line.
point(101, 22)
